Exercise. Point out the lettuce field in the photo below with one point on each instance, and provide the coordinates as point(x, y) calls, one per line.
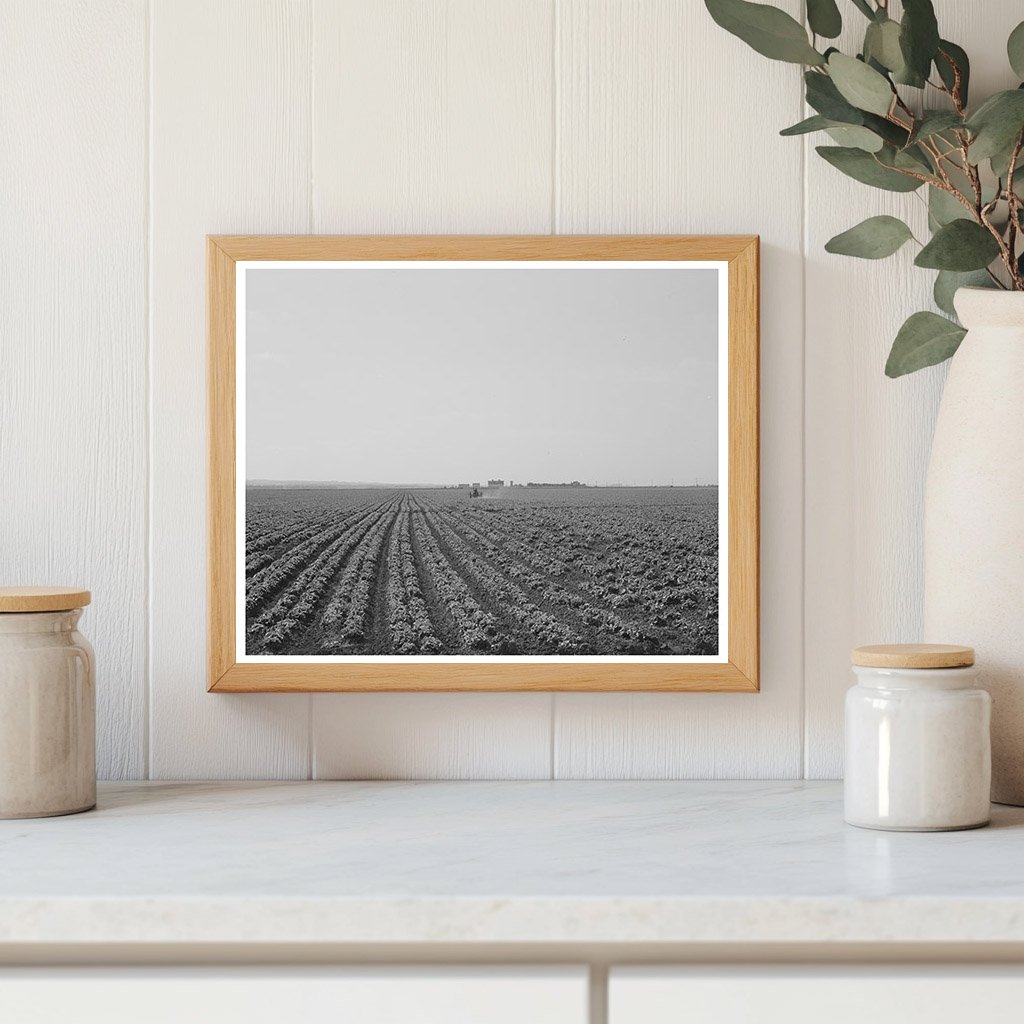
point(517, 571)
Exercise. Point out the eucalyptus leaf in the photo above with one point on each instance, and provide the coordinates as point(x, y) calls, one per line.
point(882, 44)
point(864, 7)
point(951, 55)
point(926, 339)
point(962, 183)
point(919, 36)
point(892, 133)
point(860, 85)
point(996, 125)
point(948, 281)
point(872, 239)
point(853, 136)
point(817, 123)
point(1001, 161)
point(864, 167)
point(943, 208)
point(766, 29)
point(934, 122)
point(1015, 50)
point(960, 245)
point(824, 18)
point(912, 159)
point(825, 98)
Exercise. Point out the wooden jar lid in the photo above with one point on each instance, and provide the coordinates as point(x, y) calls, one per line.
point(913, 656)
point(42, 599)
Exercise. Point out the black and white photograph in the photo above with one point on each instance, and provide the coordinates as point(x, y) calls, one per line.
point(481, 461)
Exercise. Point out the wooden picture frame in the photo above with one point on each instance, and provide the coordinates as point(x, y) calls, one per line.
point(739, 673)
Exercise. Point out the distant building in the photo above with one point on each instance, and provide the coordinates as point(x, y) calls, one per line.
point(495, 483)
point(573, 483)
point(476, 485)
point(463, 485)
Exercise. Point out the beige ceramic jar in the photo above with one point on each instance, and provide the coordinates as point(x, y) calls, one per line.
point(47, 704)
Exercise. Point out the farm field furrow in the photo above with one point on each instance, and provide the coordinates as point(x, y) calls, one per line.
point(571, 571)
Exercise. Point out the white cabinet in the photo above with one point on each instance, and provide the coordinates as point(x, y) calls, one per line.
point(372, 995)
point(812, 995)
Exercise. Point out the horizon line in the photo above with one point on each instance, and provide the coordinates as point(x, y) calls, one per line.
point(368, 484)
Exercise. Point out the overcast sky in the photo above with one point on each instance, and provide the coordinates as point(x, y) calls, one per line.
point(455, 376)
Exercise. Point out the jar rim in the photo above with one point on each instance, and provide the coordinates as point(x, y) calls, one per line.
point(963, 677)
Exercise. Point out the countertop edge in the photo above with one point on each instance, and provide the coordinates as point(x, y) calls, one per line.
point(454, 920)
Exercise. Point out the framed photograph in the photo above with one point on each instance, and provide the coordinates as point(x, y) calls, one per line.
point(483, 463)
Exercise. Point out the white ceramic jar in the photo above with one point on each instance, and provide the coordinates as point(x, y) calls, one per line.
point(918, 749)
point(47, 704)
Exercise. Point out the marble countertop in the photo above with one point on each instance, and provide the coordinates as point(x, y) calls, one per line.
point(500, 862)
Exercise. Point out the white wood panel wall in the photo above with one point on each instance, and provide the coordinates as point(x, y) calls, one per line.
point(131, 129)
point(73, 363)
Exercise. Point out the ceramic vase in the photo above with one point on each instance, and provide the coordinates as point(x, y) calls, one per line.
point(974, 517)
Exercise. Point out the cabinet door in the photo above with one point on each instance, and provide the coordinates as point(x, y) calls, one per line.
point(816, 995)
point(171, 995)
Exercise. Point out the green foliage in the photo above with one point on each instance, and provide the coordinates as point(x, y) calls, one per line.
point(950, 59)
point(769, 31)
point(975, 217)
point(997, 124)
point(934, 122)
point(882, 45)
point(825, 98)
point(925, 339)
point(872, 239)
point(817, 123)
point(860, 85)
point(866, 168)
point(1015, 50)
point(824, 18)
point(943, 208)
point(919, 37)
point(960, 245)
point(854, 136)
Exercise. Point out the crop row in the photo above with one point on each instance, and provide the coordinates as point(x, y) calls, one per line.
point(522, 563)
point(545, 631)
point(296, 606)
point(266, 541)
point(409, 622)
point(264, 584)
point(604, 583)
point(476, 628)
point(345, 618)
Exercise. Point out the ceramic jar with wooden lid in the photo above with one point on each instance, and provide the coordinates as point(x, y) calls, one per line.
point(47, 704)
point(918, 749)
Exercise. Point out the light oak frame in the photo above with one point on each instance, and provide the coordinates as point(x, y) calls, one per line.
point(739, 674)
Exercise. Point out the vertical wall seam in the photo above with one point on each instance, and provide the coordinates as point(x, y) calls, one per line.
point(311, 98)
point(555, 226)
point(310, 222)
point(147, 688)
point(556, 155)
point(804, 245)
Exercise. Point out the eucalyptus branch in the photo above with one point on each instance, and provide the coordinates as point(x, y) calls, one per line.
point(956, 92)
point(1013, 203)
point(867, 87)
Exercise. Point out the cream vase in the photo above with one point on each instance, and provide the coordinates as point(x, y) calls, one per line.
point(974, 518)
